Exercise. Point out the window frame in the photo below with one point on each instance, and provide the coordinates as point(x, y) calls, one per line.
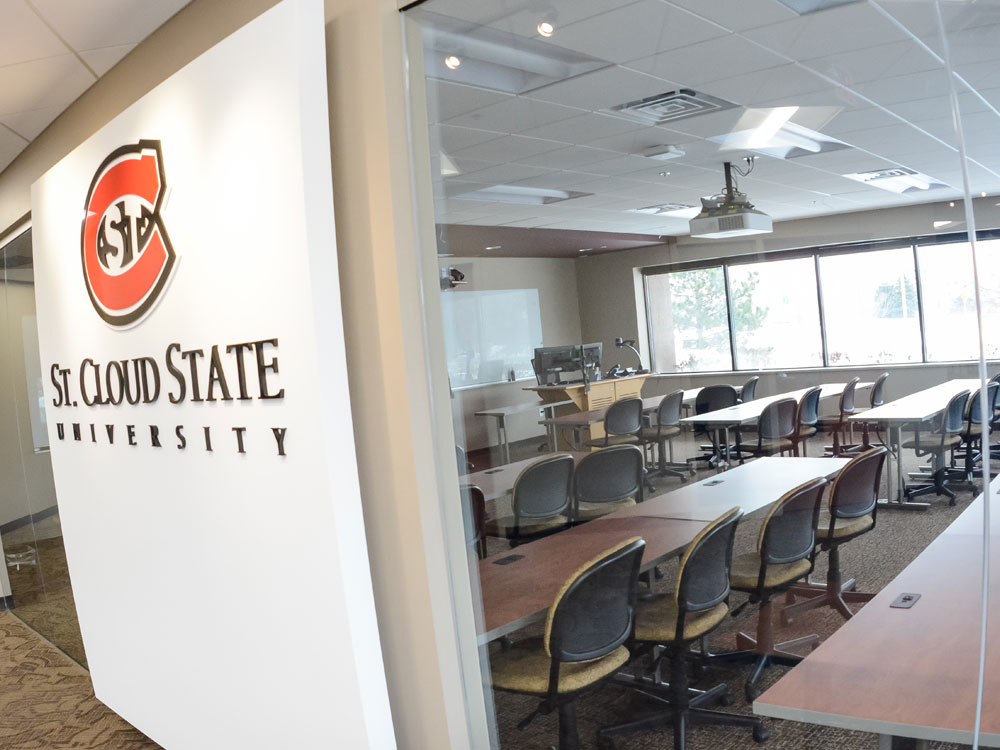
point(815, 252)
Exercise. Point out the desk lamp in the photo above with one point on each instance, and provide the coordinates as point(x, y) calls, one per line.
point(629, 344)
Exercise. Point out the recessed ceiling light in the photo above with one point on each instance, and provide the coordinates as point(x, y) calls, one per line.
point(452, 62)
point(803, 7)
point(775, 136)
point(546, 29)
point(982, 194)
point(952, 204)
point(664, 174)
point(520, 194)
point(494, 247)
point(897, 180)
point(585, 249)
point(448, 168)
point(678, 210)
point(939, 224)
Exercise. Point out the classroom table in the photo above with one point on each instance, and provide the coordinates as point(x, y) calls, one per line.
point(519, 585)
point(501, 413)
point(909, 673)
point(917, 407)
point(722, 420)
point(581, 420)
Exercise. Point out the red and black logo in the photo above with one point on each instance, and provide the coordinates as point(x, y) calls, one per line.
point(127, 255)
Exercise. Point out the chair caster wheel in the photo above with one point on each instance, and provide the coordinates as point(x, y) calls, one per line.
point(760, 733)
point(751, 694)
point(727, 699)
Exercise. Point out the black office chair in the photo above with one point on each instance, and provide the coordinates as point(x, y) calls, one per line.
point(876, 399)
point(667, 625)
point(806, 419)
point(972, 434)
point(839, 424)
point(712, 398)
point(607, 480)
point(622, 424)
point(776, 429)
point(749, 390)
point(946, 435)
point(540, 503)
point(784, 555)
point(583, 646)
point(661, 434)
point(853, 511)
point(474, 517)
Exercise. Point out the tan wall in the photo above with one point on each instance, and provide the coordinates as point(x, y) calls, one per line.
point(399, 417)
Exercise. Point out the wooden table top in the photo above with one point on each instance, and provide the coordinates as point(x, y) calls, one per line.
point(506, 411)
point(750, 411)
point(570, 386)
point(920, 405)
point(587, 418)
point(498, 481)
point(520, 592)
point(909, 672)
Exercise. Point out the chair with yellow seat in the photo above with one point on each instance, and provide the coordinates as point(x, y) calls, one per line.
point(938, 443)
point(540, 503)
point(667, 625)
point(840, 423)
point(852, 512)
point(587, 626)
point(784, 555)
point(622, 424)
point(607, 480)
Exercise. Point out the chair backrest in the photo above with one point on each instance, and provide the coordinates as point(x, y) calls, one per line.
point(473, 513)
point(703, 575)
point(594, 611)
point(777, 420)
point(543, 489)
point(463, 462)
point(749, 390)
point(809, 406)
point(953, 418)
point(624, 417)
point(713, 397)
point(995, 378)
point(668, 414)
point(878, 390)
point(789, 531)
point(855, 490)
point(847, 397)
point(974, 412)
point(609, 474)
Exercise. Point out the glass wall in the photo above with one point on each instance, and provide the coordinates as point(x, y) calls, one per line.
point(765, 196)
point(39, 590)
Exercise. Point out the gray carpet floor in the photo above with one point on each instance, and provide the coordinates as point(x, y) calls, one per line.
point(873, 559)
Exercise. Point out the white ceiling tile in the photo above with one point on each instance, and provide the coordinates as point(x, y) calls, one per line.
point(42, 83)
point(840, 29)
point(24, 36)
point(602, 89)
point(559, 180)
point(453, 138)
point(571, 157)
point(118, 22)
point(585, 128)
point(617, 165)
point(865, 118)
point(873, 63)
point(560, 14)
point(514, 115)
point(637, 141)
point(696, 64)
point(509, 148)
point(11, 145)
point(916, 110)
point(753, 89)
point(499, 12)
point(738, 15)
point(30, 124)
point(651, 26)
point(446, 100)
point(501, 174)
point(104, 59)
point(923, 85)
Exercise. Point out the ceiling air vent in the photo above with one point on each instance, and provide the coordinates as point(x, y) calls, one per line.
point(673, 105)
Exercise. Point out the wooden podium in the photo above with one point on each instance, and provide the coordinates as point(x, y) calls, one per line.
point(602, 393)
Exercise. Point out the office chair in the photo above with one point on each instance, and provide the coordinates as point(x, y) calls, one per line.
point(944, 437)
point(749, 390)
point(775, 429)
point(840, 424)
point(540, 502)
point(784, 555)
point(852, 512)
point(712, 398)
point(667, 625)
point(474, 517)
point(587, 626)
point(607, 480)
point(622, 424)
point(806, 418)
point(876, 399)
point(661, 434)
point(972, 434)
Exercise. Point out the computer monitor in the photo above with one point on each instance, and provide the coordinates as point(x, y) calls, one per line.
point(566, 364)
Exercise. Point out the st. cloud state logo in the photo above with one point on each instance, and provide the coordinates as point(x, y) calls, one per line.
point(127, 255)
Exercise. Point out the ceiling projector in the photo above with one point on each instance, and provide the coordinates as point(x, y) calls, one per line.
point(729, 214)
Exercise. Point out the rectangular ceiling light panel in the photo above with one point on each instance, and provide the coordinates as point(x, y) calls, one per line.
point(520, 194)
point(671, 106)
point(898, 180)
point(804, 7)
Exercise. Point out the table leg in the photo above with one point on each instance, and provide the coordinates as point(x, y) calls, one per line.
point(888, 742)
point(502, 428)
point(896, 438)
point(724, 455)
